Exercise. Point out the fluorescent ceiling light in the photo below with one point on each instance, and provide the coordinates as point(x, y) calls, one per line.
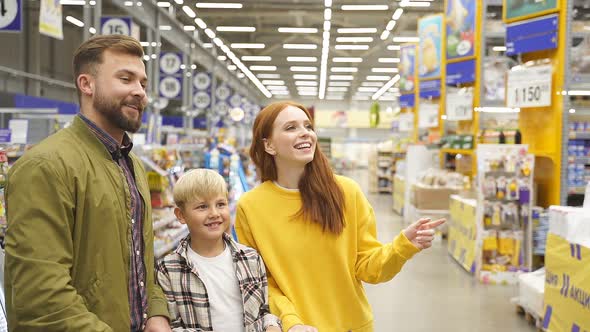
point(302, 59)
point(144, 44)
point(578, 93)
point(347, 59)
point(271, 76)
point(384, 34)
point(304, 69)
point(406, 39)
point(405, 3)
point(190, 28)
point(305, 77)
point(307, 93)
point(306, 83)
point(218, 5)
point(357, 30)
point(180, 2)
point(364, 7)
point(390, 25)
point(298, 30)
point(354, 39)
point(344, 69)
point(70, 3)
point(300, 46)
point(341, 77)
point(397, 14)
point(235, 29)
point(165, 27)
point(378, 78)
point(241, 75)
point(372, 84)
point(389, 60)
point(207, 45)
point(210, 33)
point(352, 47)
point(263, 68)
point(368, 89)
point(360, 98)
point(328, 3)
point(337, 89)
point(339, 84)
point(221, 57)
point(384, 70)
point(247, 45)
point(232, 67)
point(75, 21)
point(256, 58)
point(92, 30)
point(277, 87)
point(327, 25)
point(189, 11)
point(340, 97)
point(281, 93)
point(273, 82)
point(394, 47)
point(163, 4)
point(313, 90)
point(386, 86)
point(499, 48)
point(327, 14)
point(128, 3)
point(201, 23)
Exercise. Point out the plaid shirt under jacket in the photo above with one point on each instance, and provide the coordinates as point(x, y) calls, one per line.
point(188, 302)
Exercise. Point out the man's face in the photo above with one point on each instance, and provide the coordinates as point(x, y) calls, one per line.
point(120, 90)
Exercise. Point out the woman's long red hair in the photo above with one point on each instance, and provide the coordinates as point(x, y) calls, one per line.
point(322, 197)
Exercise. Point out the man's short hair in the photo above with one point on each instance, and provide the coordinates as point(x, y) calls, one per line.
point(198, 183)
point(89, 54)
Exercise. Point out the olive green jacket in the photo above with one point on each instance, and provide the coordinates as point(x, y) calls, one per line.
point(69, 236)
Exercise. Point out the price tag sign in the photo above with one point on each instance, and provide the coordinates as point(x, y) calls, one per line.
point(170, 63)
point(11, 15)
point(202, 81)
point(529, 87)
point(428, 115)
point(459, 105)
point(406, 122)
point(115, 26)
point(170, 87)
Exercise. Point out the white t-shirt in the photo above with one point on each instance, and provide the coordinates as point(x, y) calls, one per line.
point(225, 299)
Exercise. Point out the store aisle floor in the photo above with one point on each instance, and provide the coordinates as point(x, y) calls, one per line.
point(432, 293)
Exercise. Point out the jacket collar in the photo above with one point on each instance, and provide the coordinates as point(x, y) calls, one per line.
point(80, 129)
point(115, 149)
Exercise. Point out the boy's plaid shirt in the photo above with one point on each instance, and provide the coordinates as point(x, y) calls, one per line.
point(188, 302)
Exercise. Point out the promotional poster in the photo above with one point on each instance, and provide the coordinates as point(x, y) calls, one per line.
point(430, 33)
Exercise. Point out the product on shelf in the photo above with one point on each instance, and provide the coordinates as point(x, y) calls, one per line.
point(495, 69)
point(434, 188)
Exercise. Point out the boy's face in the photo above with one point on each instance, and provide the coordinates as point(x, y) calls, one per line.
point(207, 219)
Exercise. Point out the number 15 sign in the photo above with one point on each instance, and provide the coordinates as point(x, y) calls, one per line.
point(529, 87)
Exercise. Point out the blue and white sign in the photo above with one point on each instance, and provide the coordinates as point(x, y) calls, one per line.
point(170, 87)
point(532, 35)
point(407, 101)
point(170, 63)
point(430, 89)
point(202, 91)
point(115, 25)
point(236, 100)
point(201, 100)
point(11, 12)
point(222, 92)
point(202, 81)
point(461, 72)
point(222, 108)
point(5, 135)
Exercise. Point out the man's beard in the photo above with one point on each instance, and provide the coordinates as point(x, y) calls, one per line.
point(112, 111)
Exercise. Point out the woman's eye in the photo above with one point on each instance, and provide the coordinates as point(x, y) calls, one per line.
point(126, 79)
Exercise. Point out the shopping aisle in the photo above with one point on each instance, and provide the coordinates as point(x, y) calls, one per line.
point(432, 293)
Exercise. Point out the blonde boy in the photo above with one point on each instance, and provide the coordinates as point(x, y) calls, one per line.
point(211, 282)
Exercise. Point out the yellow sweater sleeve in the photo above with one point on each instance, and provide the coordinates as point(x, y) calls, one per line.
point(376, 262)
point(280, 305)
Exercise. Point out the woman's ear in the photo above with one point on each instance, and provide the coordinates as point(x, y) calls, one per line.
point(268, 147)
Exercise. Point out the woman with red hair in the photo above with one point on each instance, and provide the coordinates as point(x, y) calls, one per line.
point(315, 230)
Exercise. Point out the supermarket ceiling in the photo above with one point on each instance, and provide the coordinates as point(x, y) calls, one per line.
point(288, 37)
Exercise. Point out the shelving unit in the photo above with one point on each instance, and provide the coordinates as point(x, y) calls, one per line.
point(385, 171)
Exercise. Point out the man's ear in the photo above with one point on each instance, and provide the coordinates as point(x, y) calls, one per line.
point(179, 215)
point(86, 84)
point(268, 147)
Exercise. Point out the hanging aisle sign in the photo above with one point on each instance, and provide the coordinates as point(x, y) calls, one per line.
point(202, 91)
point(50, 19)
point(519, 9)
point(170, 87)
point(529, 87)
point(170, 63)
point(428, 115)
point(115, 25)
point(460, 21)
point(430, 47)
point(11, 12)
point(532, 35)
point(407, 68)
point(459, 104)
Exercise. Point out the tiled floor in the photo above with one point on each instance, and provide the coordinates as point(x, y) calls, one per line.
point(432, 293)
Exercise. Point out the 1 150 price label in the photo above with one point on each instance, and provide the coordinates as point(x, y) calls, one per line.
point(529, 87)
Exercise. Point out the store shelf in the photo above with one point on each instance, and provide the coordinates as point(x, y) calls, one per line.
point(576, 190)
point(164, 249)
point(580, 82)
point(458, 151)
point(578, 160)
point(579, 135)
point(163, 222)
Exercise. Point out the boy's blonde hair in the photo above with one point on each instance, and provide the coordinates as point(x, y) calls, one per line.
point(198, 183)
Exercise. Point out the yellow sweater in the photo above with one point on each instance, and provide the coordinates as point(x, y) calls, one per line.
point(315, 277)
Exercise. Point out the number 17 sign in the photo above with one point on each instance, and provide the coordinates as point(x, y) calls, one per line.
point(529, 87)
